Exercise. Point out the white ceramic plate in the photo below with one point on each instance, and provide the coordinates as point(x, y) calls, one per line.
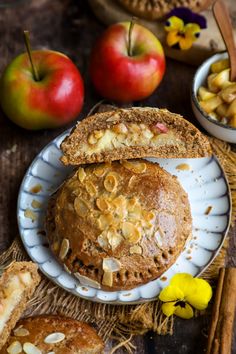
point(205, 184)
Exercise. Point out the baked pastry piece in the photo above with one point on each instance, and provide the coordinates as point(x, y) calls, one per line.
point(133, 133)
point(17, 285)
point(154, 9)
point(118, 225)
point(53, 334)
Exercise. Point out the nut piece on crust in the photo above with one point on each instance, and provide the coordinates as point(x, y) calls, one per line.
point(17, 285)
point(149, 132)
point(128, 235)
point(49, 334)
point(154, 9)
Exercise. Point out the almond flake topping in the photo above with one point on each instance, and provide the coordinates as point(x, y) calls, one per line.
point(107, 279)
point(87, 281)
point(111, 265)
point(54, 338)
point(21, 332)
point(30, 348)
point(131, 232)
point(15, 348)
point(81, 174)
point(102, 204)
point(65, 245)
point(91, 188)
point(111, 182)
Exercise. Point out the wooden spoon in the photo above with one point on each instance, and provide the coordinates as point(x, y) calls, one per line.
point(223, 21)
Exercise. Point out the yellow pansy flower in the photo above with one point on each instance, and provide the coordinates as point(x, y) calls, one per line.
point(179, 33)
point(184, 293)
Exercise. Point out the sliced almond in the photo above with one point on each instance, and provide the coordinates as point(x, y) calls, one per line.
point(136, 249)
point(36, 204)
point(130, 232)
point(55, 337)
point(183, 167)
point(21, 332)
point(111, 265)
point(30, 348)
point(91, 188)
point(114, 239)
point(102, 204)
point(159, 237)
point(81, 207)
point(15, 348)
point(107, 279)
point(135, 166)
point(92, 140)
point(81, 174)
point(104, 221)
point(99, 171)
point(65, 245)
point(30, 214)
point(103, 240)
point(119, 202)
point(98, 134)
point(111, 182)
point(87, 281)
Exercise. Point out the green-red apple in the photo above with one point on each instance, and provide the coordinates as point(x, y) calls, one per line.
point(127, 64)
point(55, 99)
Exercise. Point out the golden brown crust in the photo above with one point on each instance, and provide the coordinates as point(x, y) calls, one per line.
point(119, 224)
point(80, 338)
point(17, 268)
point(155, 9)
point(183, 140)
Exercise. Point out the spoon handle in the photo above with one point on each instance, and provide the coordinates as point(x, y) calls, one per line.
point(223, 20)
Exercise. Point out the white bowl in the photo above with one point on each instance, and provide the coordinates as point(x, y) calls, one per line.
point(220, 131)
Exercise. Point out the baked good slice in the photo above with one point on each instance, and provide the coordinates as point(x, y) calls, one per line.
point(155, 9)
point(53, 334)
point(133, 133)
point(17, 285)
point(119, 225)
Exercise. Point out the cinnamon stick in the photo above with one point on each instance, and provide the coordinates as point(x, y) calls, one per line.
point(220, 334)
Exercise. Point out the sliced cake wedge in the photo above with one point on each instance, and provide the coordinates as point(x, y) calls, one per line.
point(17, 285)
point(133, 133)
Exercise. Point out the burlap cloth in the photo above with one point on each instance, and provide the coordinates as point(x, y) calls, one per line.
point(119, 321)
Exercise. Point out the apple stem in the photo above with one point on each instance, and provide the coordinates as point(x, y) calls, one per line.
point(29, 51)
point(131, 26)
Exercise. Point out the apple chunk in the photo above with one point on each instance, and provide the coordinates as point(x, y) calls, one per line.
point(220, 65)
point(204, 93)
point(210, 105)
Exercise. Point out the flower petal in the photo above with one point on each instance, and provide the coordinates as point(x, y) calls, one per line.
point(202, 294)
point(168, 308)
point(183, 281)
point(184, 312)
point(171, 293)
point(174, 23)
point(172, 38)
point(185, 43)
point(192, 31)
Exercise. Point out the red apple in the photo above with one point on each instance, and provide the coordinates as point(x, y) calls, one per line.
point(54, 99)
point(127, 63)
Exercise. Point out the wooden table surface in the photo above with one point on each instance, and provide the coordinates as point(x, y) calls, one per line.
point(70, 27)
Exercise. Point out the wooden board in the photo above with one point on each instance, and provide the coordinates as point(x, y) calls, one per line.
point(210, 41)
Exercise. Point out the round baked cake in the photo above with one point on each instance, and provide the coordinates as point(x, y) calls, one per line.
point(118, 225)
point(155, 9)
point(53, 334)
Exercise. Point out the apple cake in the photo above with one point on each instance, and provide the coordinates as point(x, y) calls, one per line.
point(53, 334)
point(17, 285)
point(118, 225)
point(155, 9)
point(133, 133)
